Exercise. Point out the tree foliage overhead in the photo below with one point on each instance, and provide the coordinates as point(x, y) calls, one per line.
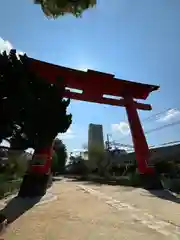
point(56, 8)
point(33, 110)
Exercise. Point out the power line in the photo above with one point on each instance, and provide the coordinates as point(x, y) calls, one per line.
point(130, 147)
point(172, 142)
point(162, 127)
point(158, 115)
point(165, 144)
point(155, 129)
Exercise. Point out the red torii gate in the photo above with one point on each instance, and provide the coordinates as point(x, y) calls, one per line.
point(94, 85)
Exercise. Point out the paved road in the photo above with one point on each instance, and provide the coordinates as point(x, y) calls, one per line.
point(89, 212)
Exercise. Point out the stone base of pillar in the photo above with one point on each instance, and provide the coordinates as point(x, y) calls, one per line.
point(151, 181)
point(34, 185)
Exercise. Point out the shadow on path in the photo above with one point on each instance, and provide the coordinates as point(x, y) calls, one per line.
point(18, 206)
point(165, 195)
point(57, 179)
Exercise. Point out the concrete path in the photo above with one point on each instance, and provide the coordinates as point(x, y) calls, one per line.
point(88, 212)
point(158, 203)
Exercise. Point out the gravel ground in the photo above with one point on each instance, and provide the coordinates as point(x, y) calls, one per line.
point(83, 213)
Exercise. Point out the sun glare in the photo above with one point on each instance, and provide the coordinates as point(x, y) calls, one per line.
point(83, 68)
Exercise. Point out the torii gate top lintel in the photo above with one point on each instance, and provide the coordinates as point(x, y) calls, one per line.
point(95, 85)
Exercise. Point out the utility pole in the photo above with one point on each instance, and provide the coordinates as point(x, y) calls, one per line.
point(108, 142)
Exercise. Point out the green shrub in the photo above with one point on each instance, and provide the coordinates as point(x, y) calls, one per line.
point(3, 178)
point(134, 179)
point(9, 187)
point(173, 184)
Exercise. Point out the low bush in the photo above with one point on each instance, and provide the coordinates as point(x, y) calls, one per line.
point(135, 180)
point(172, 184)
point(9, 187)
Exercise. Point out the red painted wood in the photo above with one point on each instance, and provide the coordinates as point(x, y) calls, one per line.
point(94, 85)
point(92, 82)
point(46, 155)
point(139, 140)
point(113, 102)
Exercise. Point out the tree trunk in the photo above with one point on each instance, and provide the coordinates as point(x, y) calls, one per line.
point(36, 179)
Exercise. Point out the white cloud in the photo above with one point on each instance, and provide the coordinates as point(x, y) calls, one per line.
point(7, 46)
point(122, 127)
point(79, 150)
point(169, 115)
point(67, 135)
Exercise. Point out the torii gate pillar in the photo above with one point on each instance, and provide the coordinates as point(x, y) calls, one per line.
point(138, 137)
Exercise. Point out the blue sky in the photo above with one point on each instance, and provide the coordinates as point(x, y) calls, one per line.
point(135, 40)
